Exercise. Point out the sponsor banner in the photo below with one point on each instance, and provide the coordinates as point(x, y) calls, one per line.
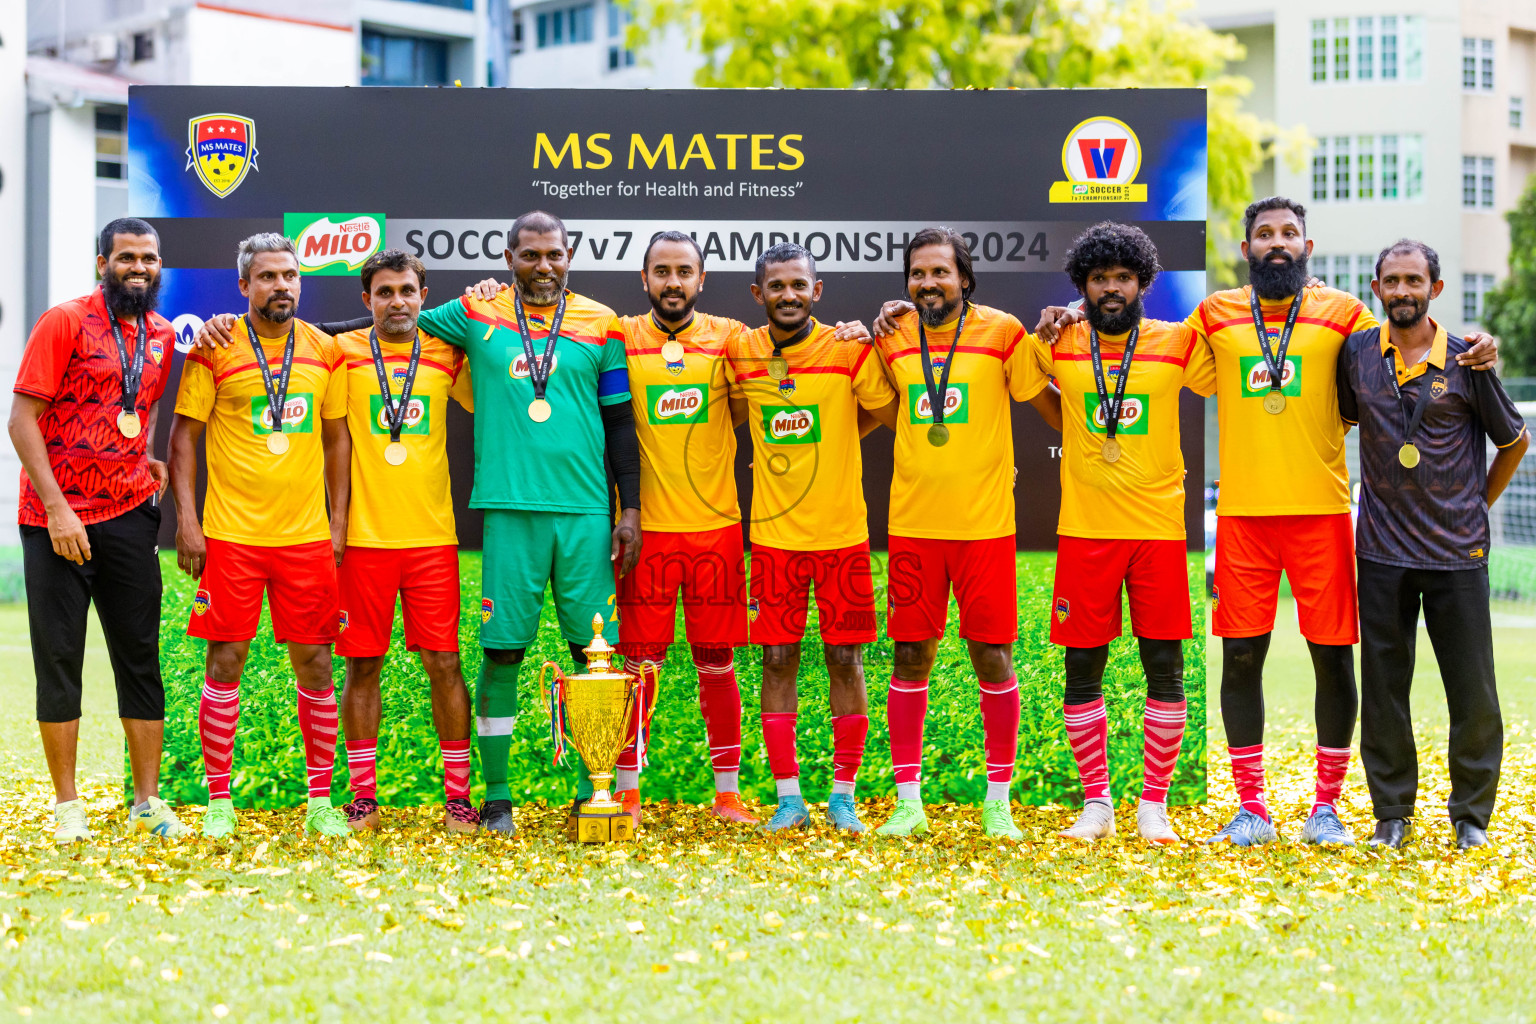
point(792, 424)
point(334, 243)
point(1133, 414)
point(298, 414)
point(957, 407)
point(677, 403)
point(418, 415)
point(1256, 375)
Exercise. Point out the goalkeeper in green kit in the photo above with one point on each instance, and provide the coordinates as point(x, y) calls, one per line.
point(551, 401)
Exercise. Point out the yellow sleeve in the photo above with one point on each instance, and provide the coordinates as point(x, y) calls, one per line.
point(1200, 366)
point(461, 390)
point(334, 405)
point(194, 396)
point(870, 385)
point(1022, 368)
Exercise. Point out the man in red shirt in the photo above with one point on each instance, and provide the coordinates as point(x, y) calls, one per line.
point(81, 420)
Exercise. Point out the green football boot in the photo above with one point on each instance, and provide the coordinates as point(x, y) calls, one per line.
point(220, 819)
point(909, 819)
point(997, 819)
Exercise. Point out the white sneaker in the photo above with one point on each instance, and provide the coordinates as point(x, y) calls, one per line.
point(1152, 823)
point(69, 824)
point(1096, 822)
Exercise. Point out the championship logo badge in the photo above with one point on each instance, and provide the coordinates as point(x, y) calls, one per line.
point(1063, 609)
point(221, 148)
point(202, 601)
point(487, 609)
point(787, 386)
point(1101, 157)
point(341, 623)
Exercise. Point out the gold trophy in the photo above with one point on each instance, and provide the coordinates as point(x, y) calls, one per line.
point(591, 711)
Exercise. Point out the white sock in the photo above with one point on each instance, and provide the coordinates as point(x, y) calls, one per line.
point(140, 808)
point(843, 787)
point(998, 791)
point(909, 790)
point(624, 778)
point(1098, 800)
point(727, 782)
point(788, 787)
point(1151, 803)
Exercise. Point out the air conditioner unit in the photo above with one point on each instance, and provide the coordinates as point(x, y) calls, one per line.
point(102, 48)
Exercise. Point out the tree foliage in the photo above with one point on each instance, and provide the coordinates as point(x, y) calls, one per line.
point(1509, 311)
point(953, 44)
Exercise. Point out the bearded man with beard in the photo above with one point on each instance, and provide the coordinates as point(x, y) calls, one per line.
point(82, 418)
point(955, 366)
point(1122, 514)
point(1423, 538)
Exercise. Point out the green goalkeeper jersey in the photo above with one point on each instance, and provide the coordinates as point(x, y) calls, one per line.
point(557, 465)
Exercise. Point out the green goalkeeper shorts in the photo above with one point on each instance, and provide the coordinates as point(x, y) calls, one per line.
point(524, 552)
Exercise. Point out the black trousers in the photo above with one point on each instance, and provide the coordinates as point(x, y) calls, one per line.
point(1456, 612)
point(122, 578)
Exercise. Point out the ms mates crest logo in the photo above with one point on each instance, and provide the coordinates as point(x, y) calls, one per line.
point(222, 149)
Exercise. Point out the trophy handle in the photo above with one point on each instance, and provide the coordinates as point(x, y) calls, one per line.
point(555, 707)
point(543, 675)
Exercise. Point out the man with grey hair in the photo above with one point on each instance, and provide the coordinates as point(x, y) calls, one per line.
point(274, 409)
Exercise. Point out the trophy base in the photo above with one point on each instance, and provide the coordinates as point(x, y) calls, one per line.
point(599, 826)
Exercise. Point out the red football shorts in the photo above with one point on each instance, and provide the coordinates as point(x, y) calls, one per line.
point(781, 587)
point(709, 569)
point(427, 581)
point(985, 577)
point(1318, 556)
point(299, 581)
point(1085, 607)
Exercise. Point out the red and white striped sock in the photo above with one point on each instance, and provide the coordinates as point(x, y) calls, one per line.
point(317, 724)
point(906, 706)
point(779, 741)
point(1248, 778)
point(362, 759)
point(626, 769)
point(848, 735)
point(1162, 733)
point(1332, 766)
point(455, 768)
point(1000, 733)
point(1088, 732)
point(720, 704)
point(218, 714)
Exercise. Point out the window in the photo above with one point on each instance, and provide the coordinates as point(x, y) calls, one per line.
point(1385, 49)
point(1368, 168)
point(1469, 181)
point(619, 55)
point(1468, 63)
point(1485, 181)
point(403, 60)
point(1516, 112)
point(1485, 69)
point(1477, 182)
point(1474, 287)
point(1477, 64)
point(564, 26)
point(143, 46)
point(1365, 272)
point(111, 144)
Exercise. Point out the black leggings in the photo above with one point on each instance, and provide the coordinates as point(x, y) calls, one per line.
point(511, 656)
point(1161, 660)
point(1335, 706)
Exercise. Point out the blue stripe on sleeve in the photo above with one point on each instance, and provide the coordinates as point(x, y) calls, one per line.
point(613, 382)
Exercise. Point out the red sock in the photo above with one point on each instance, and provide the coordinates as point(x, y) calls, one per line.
point(317, 724)
point(720, 704)
point(1000, 731)
point(455, 768)
point(1332, 765)
point(1088, 732)
point(362, 758)
point(779, 739)
point(906, 706)
point(629, 755)
point(848, 735)
point(218, 713)
point(1162, 733)
point(1248, 777)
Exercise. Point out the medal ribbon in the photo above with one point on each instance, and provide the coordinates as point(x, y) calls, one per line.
point(133, 368)
point(1275, 360)
point(794, 339)
point(538, 375)
point(1419, 407)
point(937, 396)
point(669, 332)
point(1112, 412)
point(277, 397)
point(396, 414)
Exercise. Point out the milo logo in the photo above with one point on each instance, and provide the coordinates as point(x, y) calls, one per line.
point(520, 363)
point(298, 414)
point(956, 404)
point(792, 424)
point(418, 415)
point(676, 403)
point(1256, 376)
point(1133, 414)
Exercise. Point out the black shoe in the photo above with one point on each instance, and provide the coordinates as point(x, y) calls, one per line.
point(1468, 835)
point(1392, 833)
point(496, 816)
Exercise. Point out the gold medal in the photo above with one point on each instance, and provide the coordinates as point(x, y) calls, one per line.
point(938, 435)
point(1111, 450)
point(778, 367)
point(277, 443)
point(1274, 403)
point(1408, 455)
point(394, 453)
point(672, 351)
point(128, 424)
point(539, 410)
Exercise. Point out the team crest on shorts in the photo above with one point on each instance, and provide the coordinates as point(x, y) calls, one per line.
point(341, 621)
point(787, 386)
point(1215, 595)
point(752, 610)
point(1063, 609)
point(487, 609)
point(202, 601)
